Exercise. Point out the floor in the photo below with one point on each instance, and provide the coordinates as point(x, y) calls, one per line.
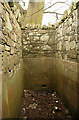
point(43, 105)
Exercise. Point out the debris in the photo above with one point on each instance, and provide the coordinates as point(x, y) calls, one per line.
point(39, 109)
point(24, 103)
point(44, 104)
point(56, 108)
point(55, 96)
point(56, 101)
point(24, 109)
point(33, 106)
point(25, 117)
point(59, 108)
point(68, 116)
point(52, 95)
point(66, 111)
point(53, 112)
point(24, 91)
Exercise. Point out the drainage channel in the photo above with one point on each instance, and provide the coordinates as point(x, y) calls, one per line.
point(43, 105)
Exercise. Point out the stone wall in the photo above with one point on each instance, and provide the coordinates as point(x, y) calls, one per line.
point(59, 42)
point(10, 41)
point(11, 67)
point(36, 42)
point(67, 34)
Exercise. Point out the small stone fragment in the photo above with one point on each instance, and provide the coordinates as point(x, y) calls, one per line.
point(67, 111)
point(56, 101)
point(56, 108)
point(52, 95)
point(25, 117)
point(53, 112)
point(60, 109)
point(33, 106)
point(39, 109)
point(24, 91)
point(24, 109)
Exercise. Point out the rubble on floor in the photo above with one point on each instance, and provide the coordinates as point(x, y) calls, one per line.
point(44, 105)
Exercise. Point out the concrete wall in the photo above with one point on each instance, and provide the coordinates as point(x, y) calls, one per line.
point(12, 91)
point(11, 66)
point(66, 84)
point(38, 72)
point(57, 74)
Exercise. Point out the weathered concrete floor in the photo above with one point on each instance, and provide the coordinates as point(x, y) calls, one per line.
point(45, 104)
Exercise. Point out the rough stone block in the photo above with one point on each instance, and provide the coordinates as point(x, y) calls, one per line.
point(72, 54)
point(1, 47)
point(67, 45)
point(7, 48)
point(65, 57)
point(25, 42)
point(58, 55)
point(63, 46)
point(8, 23)
point(77, 46)
point(1, 8)
point(46, 47)
point(12, 51)
point(14, 37)
point(65, 38)
point(0, 23)
point(10, 42)
point(59, 46)
point(73, 38)
point(44, 38)
point(69, 29)
point(38, 34)
point(73, 45)
point(31, 34)
point(36, 38)
point(42, 31)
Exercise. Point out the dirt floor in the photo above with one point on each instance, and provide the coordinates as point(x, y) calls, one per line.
point(43, 105)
